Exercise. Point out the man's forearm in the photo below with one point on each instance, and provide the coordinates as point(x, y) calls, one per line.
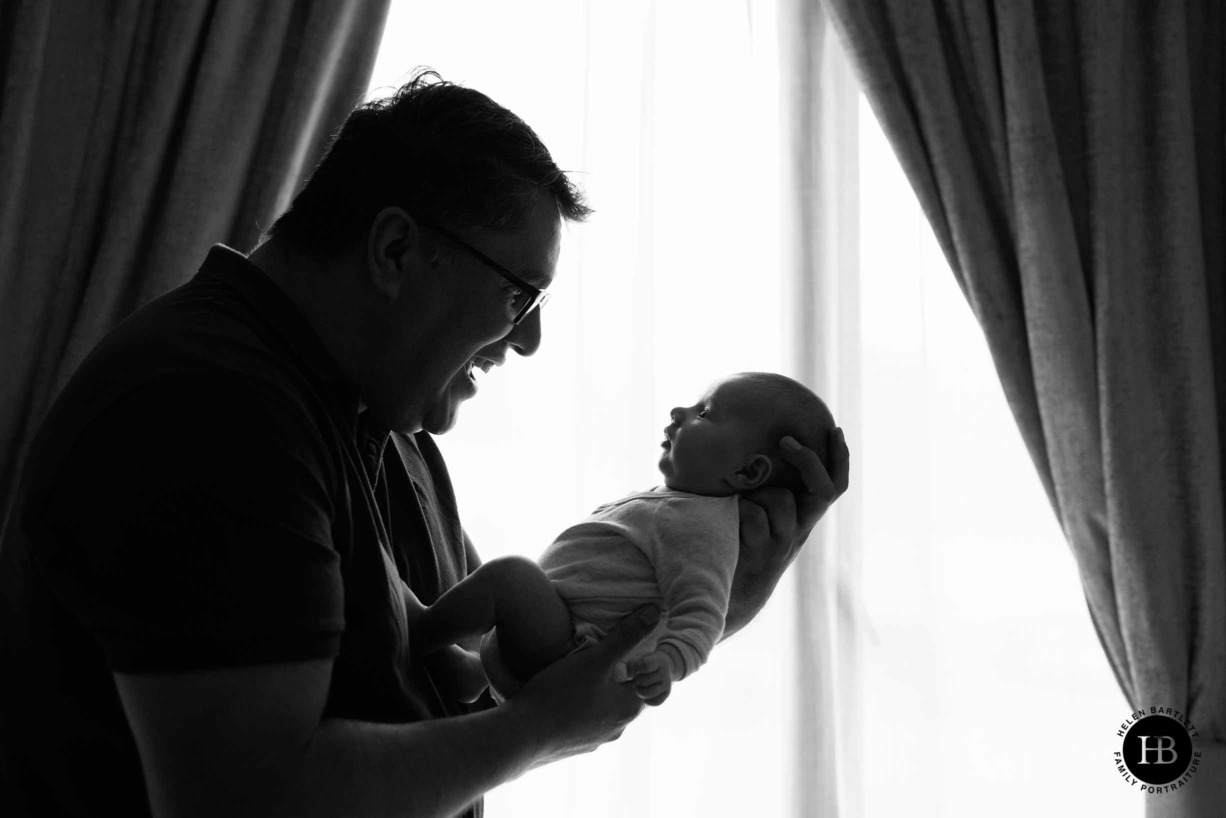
point(432, 768)
point(253, 741)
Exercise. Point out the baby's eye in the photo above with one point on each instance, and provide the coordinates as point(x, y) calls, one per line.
point(703, 413)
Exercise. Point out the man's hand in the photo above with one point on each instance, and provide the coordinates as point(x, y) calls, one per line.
point(653, 676)
point(775, 524)
point(574, 706)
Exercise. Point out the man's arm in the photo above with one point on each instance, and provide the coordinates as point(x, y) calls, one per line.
point(253, 740)
point(775, 524)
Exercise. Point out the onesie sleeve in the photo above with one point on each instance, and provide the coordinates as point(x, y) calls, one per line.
point(697, 542)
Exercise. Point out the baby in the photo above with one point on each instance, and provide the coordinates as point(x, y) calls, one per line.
point(675, 546)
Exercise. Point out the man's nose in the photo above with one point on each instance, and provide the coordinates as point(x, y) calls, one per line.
point(525, 337)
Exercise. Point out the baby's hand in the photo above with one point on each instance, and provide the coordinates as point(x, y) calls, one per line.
point(653, 676)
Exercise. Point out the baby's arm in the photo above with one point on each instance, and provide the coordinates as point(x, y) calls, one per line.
point(695, 548)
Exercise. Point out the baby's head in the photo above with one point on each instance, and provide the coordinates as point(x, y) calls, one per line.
point(728, 442)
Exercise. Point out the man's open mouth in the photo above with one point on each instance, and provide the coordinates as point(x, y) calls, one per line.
point(474, 364)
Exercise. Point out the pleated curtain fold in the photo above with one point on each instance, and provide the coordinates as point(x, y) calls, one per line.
point(820, 102)
point(1070, 160)
point(133, 135)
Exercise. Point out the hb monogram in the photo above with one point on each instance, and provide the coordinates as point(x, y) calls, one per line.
point(1166, 744)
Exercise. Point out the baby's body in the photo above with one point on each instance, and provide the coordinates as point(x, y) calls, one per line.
point(675, 546)
point(667, 548)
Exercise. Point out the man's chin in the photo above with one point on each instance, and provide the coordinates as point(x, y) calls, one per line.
point(437, 423)
point(442, 414)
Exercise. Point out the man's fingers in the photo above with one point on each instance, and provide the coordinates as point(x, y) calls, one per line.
point(840, 461)
point(814, 474)
point(631, 630)
point(824, 487)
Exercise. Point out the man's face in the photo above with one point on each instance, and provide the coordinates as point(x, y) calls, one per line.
point(707, 442)
point(475, 333)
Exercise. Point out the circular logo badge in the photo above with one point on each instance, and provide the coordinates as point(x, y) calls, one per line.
point(1158, 754)
point(1157, 749)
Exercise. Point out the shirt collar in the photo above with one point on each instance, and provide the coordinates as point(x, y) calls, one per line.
point(233, 269)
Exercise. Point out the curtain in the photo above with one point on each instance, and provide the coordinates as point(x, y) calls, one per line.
point(1070, 160)
point(133, 135)
point(821, 237)
point(678, 279)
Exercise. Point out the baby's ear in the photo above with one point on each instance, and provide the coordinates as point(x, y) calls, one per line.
point(754, 473)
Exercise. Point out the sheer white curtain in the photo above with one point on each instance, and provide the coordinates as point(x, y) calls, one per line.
point(670, 113)
point(986, 690)
point(932, 641)
point(947, 663)
point(821, 230)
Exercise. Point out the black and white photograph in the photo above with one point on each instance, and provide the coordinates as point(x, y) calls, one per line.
point(559, 408)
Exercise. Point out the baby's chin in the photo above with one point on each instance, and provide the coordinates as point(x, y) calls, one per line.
point(691, 484)
point(698, 488)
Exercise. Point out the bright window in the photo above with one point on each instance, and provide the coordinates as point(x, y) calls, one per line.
point(979, 655)
point(987, 692)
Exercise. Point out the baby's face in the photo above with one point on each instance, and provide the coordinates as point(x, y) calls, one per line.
point(708, 445)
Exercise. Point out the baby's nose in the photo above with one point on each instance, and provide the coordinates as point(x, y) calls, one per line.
point(677, 414)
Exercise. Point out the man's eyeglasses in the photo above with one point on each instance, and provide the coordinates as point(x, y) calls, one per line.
point(525, 301)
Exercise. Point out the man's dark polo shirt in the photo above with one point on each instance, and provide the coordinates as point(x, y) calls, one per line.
point(204, 494)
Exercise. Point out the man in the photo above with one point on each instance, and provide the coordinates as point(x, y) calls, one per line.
point(233, 509)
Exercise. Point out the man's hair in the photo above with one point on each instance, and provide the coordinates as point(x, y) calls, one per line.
point(788, 407)
point(443, 152)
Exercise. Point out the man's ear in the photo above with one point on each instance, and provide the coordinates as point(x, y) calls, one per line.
point(392, 250)
point(753, 473)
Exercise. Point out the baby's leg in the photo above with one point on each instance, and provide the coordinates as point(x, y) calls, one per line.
point(512, 594)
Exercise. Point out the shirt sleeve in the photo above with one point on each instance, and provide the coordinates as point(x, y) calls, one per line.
point(191, 528)
point(696, 553)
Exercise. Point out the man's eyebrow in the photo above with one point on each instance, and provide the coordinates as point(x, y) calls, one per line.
point(535, 278)
point(537, 281)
